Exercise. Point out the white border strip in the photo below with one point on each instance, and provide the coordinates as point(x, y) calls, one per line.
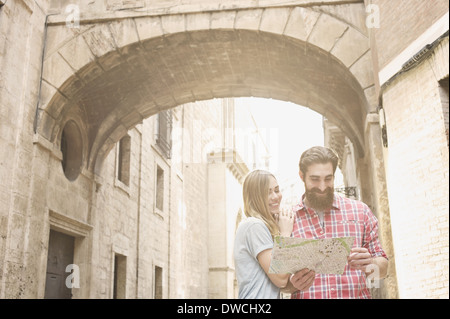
point(428, 37)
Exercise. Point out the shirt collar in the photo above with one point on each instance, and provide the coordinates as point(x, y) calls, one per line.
point(335, 205)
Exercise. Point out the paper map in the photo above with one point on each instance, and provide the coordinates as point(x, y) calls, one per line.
point(324, 256)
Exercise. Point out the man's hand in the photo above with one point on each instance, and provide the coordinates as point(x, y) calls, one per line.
point(303, 279)
point(359, 258)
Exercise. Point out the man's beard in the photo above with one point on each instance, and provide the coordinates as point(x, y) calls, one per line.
point(320, 202)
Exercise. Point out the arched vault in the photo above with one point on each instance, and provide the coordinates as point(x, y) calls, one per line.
point(109, 76)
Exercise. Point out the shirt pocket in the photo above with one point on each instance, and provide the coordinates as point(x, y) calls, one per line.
point(351, 228)
point(303, 229)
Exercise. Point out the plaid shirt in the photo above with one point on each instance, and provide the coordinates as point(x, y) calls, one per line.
point(347, 218)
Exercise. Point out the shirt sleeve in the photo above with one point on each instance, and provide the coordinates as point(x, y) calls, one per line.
point(258, 239)
point(371, 240)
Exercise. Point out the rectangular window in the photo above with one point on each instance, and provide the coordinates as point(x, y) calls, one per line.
point(120, 277)
point(159, 188)
point(123, 166)
point(164, 133)
point(158, 282)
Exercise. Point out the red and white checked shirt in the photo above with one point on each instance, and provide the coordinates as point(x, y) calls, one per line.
point(347, 218)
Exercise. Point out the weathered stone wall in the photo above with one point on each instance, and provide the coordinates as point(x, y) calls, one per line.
point(128, 222)
point(21, 34)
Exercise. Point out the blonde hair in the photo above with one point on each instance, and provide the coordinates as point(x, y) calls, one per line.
point(255, 192)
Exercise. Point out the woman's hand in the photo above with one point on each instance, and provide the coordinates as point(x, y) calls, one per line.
point(286, 221)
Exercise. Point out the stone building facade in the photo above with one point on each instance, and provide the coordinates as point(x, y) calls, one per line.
point(78, 77)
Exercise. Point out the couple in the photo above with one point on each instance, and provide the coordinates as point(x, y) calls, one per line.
point(320, 214)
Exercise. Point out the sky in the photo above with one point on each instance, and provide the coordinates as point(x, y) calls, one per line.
point(292, 129)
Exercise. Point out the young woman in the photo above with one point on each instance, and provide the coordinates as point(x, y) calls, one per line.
point(254, 237)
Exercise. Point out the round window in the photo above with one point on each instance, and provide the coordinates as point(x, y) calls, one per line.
point(71, 148)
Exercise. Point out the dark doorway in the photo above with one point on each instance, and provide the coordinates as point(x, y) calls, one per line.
point(60, 255)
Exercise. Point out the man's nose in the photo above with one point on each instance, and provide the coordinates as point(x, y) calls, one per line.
point(322, 186)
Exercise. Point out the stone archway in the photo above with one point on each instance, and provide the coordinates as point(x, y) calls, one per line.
point(114, 73)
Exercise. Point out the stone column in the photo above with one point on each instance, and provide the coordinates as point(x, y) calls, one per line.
point(226, 172)
point(380, 203)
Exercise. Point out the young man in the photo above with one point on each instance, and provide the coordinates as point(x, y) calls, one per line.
point(322, 213)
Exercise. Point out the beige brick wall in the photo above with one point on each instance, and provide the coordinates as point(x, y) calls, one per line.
point(401, 21)
point(417, 176)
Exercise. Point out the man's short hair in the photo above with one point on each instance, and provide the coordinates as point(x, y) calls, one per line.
point(318, 155)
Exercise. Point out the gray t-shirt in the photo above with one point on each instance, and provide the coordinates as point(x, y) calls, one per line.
point(253, 237)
